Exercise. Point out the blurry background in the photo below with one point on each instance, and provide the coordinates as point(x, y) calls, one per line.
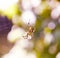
point(47, 24)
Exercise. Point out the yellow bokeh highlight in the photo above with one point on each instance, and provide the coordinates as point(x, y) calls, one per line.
point(47, 30)
point(11, 11)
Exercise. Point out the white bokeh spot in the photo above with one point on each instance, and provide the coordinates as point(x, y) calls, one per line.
point(28, 17)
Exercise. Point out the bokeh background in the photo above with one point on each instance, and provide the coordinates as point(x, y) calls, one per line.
point(47, 24)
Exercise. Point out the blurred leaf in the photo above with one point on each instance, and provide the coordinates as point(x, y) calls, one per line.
point(38, 26)
point(45, 10)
